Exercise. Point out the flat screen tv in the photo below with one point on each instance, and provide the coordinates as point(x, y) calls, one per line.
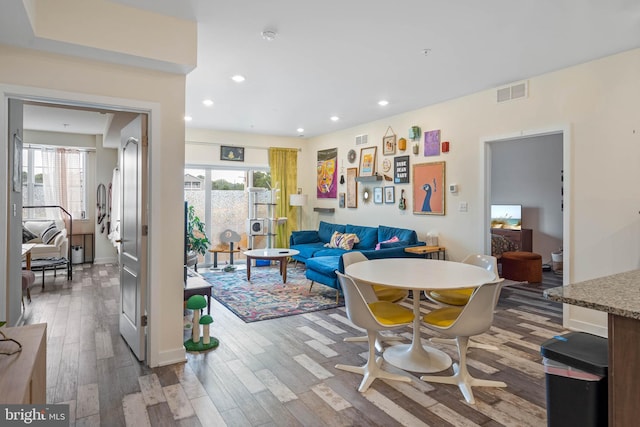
point(506, 216)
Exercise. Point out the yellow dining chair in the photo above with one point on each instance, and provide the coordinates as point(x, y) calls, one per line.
point(380, 293)
point(460, 297)
point(461, 323)
point(374, 316)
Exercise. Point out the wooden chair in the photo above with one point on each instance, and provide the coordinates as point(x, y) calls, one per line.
point(461, 323)
point(374, 317)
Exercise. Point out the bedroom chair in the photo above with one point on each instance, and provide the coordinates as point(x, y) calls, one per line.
point(381, 293)
point(461, 323)
point(460, 297)
point(374, 317)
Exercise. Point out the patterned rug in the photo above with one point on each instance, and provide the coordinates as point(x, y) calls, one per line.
point(266, 297)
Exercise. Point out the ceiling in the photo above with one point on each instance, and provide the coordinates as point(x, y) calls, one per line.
point(339, 58)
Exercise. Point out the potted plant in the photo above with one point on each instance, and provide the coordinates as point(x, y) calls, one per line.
point(198, 240)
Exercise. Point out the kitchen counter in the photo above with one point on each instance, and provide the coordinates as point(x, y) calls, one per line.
point(619, 296)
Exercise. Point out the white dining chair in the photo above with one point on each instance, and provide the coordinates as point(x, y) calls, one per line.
point(380, 293)
point(460, 297)
point(461, 323)
point(373, 316)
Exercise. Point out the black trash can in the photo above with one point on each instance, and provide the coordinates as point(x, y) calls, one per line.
point(576, 366)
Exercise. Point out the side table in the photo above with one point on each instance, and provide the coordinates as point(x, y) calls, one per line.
point(428, 251)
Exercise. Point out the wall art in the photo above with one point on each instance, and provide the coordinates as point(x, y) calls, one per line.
point(327, 174)
point(234, 154)
point(352, 188)
point(368, 161)
point(390, 195)
point(432, 143)
point(429, 188)
point(401, 169)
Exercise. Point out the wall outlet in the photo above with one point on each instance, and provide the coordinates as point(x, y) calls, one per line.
point(463, 207)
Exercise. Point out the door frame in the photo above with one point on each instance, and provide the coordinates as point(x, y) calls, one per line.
point(64, 98)
point(485, 168)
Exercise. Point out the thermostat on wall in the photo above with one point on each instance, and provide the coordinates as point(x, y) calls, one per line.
point(453, 188)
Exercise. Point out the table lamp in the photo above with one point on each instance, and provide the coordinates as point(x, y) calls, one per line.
point(298, 200)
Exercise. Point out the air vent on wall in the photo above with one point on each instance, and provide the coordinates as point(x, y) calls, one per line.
point(361, 139)
point(514, 91)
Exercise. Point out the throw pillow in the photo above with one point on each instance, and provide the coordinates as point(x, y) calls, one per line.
point(48, 236)
point(27, 235)
point(391, 240)
point(342, 240)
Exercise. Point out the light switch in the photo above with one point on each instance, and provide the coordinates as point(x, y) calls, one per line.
point(464, 207)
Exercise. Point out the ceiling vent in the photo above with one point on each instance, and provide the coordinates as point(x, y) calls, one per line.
point(362, 139)
point(514, 91)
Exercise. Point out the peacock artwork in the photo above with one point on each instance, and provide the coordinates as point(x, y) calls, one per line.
point(428, 188)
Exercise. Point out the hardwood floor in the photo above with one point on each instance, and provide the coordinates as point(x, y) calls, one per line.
point(277, 372)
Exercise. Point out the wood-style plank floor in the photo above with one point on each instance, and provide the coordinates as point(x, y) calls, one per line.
point(278, 372)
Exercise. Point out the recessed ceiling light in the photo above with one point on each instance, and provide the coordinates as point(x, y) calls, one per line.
point(383, 102)
point(300, 130)
point(238, 78)
point(269, 35)
point(335, 118)
point(208, 102)
point(188, 118)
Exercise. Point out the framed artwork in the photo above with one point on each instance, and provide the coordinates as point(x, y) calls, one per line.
point(401, 170)
point(352, 188)
point(368, 161)
point(327, 174)
point(389, 145)
point(234, 154)
point(390, 195)
point(429, 188)
point(377, 195)
point(17, 163)
point(432, 143)
point(341, 200)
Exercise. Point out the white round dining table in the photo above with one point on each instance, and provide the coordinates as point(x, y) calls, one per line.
point(418, 275)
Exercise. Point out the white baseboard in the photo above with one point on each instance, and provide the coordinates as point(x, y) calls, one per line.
point(591, 328)
point(110, 260)
point(178, 355)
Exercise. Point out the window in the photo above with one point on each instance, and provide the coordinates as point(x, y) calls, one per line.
point(224, 203)
point(55, 176)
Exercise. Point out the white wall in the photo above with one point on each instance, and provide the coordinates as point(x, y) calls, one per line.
point(527, 171)
point(598, 101)
point(162, 94)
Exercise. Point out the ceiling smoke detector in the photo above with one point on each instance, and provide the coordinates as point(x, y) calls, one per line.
point(269, 35)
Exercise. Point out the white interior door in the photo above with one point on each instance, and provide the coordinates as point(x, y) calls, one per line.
point(133, 235)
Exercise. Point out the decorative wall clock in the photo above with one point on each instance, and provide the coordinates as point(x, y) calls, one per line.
point(351, 156)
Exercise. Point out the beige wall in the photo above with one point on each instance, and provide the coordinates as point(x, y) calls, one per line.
point(32, 73)
point(597, 104)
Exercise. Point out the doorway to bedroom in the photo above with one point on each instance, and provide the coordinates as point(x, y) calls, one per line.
point(528, 172)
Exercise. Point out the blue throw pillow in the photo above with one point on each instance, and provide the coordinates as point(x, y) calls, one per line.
point(386, 233)
point(326, 230)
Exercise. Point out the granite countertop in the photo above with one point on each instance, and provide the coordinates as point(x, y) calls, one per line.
point(617, 294)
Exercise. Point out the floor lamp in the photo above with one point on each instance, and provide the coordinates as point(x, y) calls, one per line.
point(298, 200)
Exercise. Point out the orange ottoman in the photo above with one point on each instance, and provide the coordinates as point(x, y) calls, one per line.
point(523, 266)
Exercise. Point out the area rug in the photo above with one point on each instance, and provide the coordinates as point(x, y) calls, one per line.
point(266, 297)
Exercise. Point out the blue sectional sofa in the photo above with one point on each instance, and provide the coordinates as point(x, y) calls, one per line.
point(374, 242)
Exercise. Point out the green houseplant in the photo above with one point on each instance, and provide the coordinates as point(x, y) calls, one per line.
point(198, 240)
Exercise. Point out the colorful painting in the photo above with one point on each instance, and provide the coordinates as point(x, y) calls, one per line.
point(368, 161)
point(432, 143)
point(429, 188)
point(327, 174)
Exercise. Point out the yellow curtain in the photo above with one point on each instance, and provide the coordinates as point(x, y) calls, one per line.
point(283, 163)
